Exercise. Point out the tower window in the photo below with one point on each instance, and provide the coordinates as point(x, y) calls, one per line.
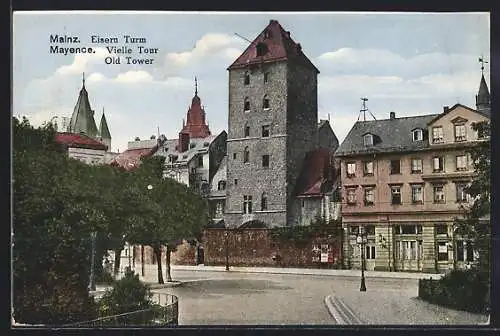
point(265, 102)
point(246, 79)
point(265, 161)
point(263, 202)
point(246, 155)
point(247, 131)
point(265, 131)
point(247, 204)
point(247, 104)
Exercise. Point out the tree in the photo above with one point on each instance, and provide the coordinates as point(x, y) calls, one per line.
point(175, 212)
point(475, 224)
point(51, 239)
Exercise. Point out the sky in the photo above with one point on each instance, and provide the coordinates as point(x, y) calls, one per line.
point(409, 63)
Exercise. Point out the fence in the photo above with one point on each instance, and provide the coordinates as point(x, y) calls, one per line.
point(165, 312)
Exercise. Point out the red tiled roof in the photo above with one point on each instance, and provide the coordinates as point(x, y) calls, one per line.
point(79, 141)
point(131, 158)
point(317, 173)
point(196, 125)
point(280, 47)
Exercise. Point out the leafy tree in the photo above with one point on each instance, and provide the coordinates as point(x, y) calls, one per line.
point(174, 212)
point(475, 224)
point(54, 214)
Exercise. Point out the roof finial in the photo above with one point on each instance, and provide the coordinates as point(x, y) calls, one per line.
point(195, 86)
point(482, 61)
point(83, 79)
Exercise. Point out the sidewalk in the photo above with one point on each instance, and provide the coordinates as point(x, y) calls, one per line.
point(394, 308)
point(308, 271)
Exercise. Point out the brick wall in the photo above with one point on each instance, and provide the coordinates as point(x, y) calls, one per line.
point(254, 247)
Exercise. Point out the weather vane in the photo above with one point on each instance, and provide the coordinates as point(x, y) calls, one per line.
point(482, 61)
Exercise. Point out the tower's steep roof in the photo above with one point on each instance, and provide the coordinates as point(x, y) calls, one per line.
point(275, 44)
point(82, 119)
point(103, 128)
point(196, 125)
point(483, 95)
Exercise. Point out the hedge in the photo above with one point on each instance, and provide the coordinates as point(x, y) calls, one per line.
point(462, 290)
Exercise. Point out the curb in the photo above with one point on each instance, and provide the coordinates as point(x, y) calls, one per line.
point(165, 285)
point(391, 275)
point(341, 312)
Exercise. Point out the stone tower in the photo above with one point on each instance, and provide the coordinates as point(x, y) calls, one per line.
point(273, 113)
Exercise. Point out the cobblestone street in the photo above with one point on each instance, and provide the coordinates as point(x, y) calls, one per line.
point(219, 298)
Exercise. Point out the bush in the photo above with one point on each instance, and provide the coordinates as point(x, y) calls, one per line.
point(463, 290)
point(128, 294)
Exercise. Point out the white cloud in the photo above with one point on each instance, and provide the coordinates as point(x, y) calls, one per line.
point(134, 76)
point(81, 62)
point(208, 46)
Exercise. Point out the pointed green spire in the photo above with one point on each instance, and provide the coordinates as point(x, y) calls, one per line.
point(103, 128)
point(82, 119)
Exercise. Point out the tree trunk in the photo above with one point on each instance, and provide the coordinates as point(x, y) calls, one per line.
point(142, 260)
point(118, 257)
point(157, 251)
point(167, 261)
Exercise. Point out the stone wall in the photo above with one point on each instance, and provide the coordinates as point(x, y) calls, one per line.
point(254, 247)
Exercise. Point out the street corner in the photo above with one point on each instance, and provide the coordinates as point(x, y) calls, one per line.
point(341, 312)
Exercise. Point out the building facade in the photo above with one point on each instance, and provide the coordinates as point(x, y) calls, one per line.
point(403, 181)
point(273, 124)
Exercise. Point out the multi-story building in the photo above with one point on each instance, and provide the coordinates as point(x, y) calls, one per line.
point(403, 180)
point(81, 136)
point(273, 125)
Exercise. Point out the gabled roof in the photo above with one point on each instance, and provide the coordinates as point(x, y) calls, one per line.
point(131, 158)
point(391, 135)
point(196, 146)
point(73, 140)
point(316, 177)
point(439, 116)
point(280, 47)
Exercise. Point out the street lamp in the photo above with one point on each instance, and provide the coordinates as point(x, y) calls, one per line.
point(93, 236)
point(362, 239)
point(226, 239)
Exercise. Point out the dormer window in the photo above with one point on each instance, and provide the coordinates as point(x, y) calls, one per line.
point(261, 49)
point(368, 139)
point(418, 134)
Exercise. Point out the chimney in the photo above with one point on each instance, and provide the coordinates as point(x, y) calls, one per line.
point(392, 115)
point(445, 109)
point(183, 142)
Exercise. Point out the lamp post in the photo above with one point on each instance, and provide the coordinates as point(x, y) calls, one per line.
point(361, 239)
point(226, 241)
point(93, 236)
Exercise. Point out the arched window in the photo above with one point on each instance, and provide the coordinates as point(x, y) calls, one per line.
point(265, 102)
point(221, 185)
point(246, 107)
point(246, 155)
point(246, 80)
point(263, 201)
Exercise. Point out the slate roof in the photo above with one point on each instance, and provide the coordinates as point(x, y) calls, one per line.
point(317, 173)
point(81, 140)
point(131, 158)
point(280, 47)
point(200, 145)
point(103, 128)
point(390, 135)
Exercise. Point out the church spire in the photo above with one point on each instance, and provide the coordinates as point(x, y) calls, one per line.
point(483, 102)
point(82, 119)
point(195, 124)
